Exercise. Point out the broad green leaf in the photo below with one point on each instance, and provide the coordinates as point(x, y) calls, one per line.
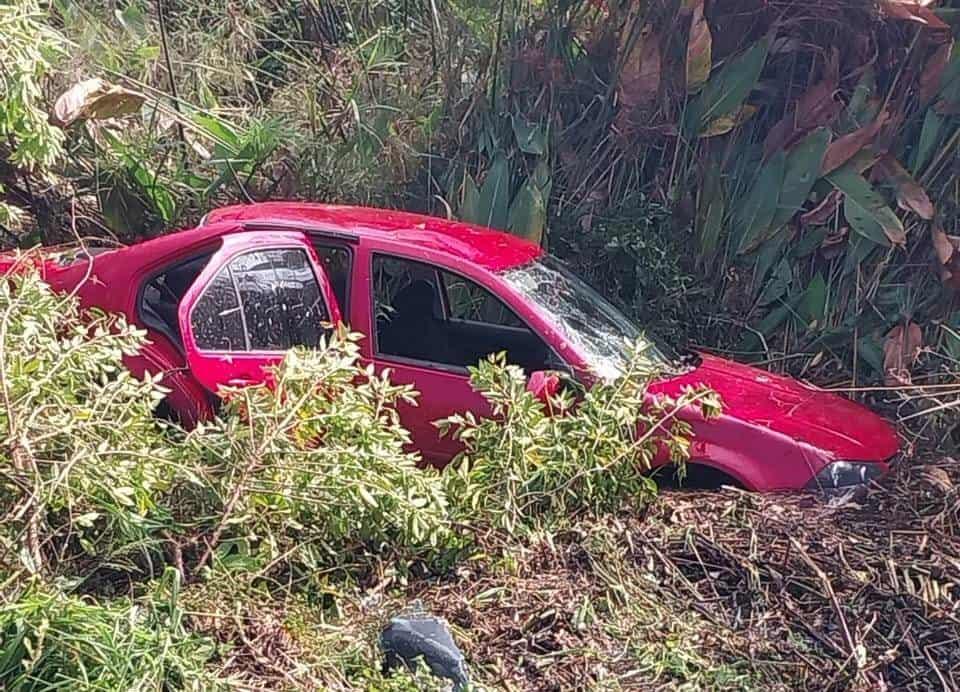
point(726, 123)
point(766, 326)
point(531, 137)
point(770, 251)
point(160, 198)
point(862, 222)
point(710, 211)
point(217, 130)
point(802, 172)
point(861, 108)
point(951, 74)
point(951, 335)
point(470, 200)
point(929, 138)
point(760, 204)
point(810, 241)
point(858, 250)
point(870, 351)
point(494, 202)
point(528, 213)
point(813, 303)
point(865, 209)
point(778, 285)
point(132, 19)
point(730, 86)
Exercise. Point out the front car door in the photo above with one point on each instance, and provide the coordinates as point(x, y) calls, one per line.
point(259, 295)
point(427, 323)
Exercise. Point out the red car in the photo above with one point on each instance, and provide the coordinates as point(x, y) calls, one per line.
point(225, 299)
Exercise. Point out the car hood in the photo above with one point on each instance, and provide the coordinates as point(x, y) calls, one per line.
point(836, 426)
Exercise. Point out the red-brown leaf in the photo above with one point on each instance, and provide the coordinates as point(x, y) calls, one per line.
point(900, 351)
point(823, 212)
point(699, 49)
point(944, 107)
point(912, 11)
point(640, 73)
point(910, 195)
point(947, 248)
point(816, 108)
point(933, 73)
point(845, 148)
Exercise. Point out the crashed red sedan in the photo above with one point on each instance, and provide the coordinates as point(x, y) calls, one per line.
point(225, 299)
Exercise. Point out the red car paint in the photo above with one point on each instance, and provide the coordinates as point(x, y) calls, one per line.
point(774, 433)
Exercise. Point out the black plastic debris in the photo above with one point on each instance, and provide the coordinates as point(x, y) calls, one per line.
point(418, 634)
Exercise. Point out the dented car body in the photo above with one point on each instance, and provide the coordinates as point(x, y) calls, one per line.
point(226, 299)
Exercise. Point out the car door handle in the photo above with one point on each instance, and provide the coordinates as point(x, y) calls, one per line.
point(240, 382)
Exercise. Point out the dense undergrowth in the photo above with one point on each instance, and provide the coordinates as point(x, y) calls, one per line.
point(778, 181)
point(297, 489)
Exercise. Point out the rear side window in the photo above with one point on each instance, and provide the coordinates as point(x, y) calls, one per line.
point(216, 319)
point(266, 300)
point(160, 299)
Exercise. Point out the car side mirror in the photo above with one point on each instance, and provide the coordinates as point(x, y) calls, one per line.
point(543, 384)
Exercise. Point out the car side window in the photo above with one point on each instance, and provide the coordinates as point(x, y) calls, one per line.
point(411, 321)
point(265, 300)
point(161, 295)
point(468, 301)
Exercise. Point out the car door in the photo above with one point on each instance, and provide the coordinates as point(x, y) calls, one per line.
point(429, 325)
point(258, 296)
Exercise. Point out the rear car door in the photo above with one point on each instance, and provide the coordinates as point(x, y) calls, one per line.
point(259, 295)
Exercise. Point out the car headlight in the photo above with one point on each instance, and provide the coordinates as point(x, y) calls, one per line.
point(843, 474)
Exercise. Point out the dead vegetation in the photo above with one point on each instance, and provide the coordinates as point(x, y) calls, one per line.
point(725, 589)
point(703, 590)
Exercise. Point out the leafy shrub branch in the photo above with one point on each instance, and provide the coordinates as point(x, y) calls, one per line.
point(582, 450)
point(313, 465)
point(83, 458)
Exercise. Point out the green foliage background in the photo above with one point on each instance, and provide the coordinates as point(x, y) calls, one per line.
point(775, 180)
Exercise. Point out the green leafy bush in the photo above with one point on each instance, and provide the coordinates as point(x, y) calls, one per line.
point(49, 641)
point(28, 48)
point(313, 465)
point(82, 456)
point(581, 450)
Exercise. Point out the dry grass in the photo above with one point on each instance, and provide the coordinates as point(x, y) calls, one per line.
point(704, 591)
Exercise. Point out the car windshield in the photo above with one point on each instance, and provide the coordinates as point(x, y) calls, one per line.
point(584, 317)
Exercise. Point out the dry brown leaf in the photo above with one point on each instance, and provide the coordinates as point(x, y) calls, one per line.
point(939, 477)
point(640, 74)
point(824, 212)
point(95, 99)
point(815, 108)
point(910, 195)
point(933, 72)
point(900, 351)
point(912, 11)
point(699, 50)
point(947, 248)
point(845, 148)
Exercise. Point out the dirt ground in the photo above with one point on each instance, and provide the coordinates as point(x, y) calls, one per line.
point(728, 589)
point(701, 590)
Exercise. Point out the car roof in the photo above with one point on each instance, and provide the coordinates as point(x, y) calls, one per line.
point(485, 247)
